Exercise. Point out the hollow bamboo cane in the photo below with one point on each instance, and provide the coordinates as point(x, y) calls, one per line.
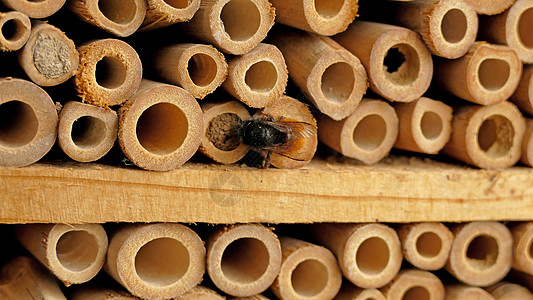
point(258, 77)
point(35, 9)
point(94, 292)
point(233, 26)
point(254, 297)
point(332, 78)
point(415, 284)
point(15, 29)
point(509, 291)
point(523, 96)
point(367, 135)
point(481, 253)
point(369, 255)
point(28, 126)
point(349, 291)
point(156, 261)
point(527, 144)
point(466, 292)
point(490, 7)
point(200, 293)
point(398, 63)
point(488, 137)
point(243, 260)
point(522, 246)
point(199, 69)
point(162, 13)
point(49, 56)
point(73, 253)
point(110, 72)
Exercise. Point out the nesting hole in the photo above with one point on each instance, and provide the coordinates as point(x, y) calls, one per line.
point(495, 136)
point(110, 72)
point(525, 23)
point(88, 132)
point(13, 29)
point(429, 244)
point(240, 19)
point(245, 260)
point(162, 261)
point(401, 64)
point(18, 124)
point(493, 73)
point(338, 82)
point(416, 293)
point(530, 249)
point(431, 125)
point(162, 128)
point(309, 278)
point(454, 25)
point(372, 256)
point(222, 131)
point(202, 69)
point(370, 132)
point(483, 251)
point(77, 250)
point(261, 77)
point(118, 11)
point(328, 8)
point(177, 3)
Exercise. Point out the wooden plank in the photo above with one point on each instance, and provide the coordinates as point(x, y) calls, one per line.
point(399, 190)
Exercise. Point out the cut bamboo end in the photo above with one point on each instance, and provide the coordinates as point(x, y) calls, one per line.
point(35, 9)
point(28, 126)
point(199, 69)
point(415, 285)
point(332, 78)
point(523, 96)
point(160, 127)
point(398, 63)
point(527, 144)
point(522, 246)
point(369, 255)
point(490, 7)
point(509, 291)
point(73, 253)
point(466, 292)
point(119, 17)
point(426, 245)
point(487, 74)
point(243, 260)
point(488, 137)
point(324, 17)
point(86, 132)
point(233, 26)
point(162, 13)
point(424, 125)
point(349, 291)
point(93, 292)
point(110, 72)
point(368, 134)
point(220, 141)
point(156, 261)
point(307, 271)
point(49, 56)
point(15, 28)
point(200, 293)
point(481, 253)
point(258, 77)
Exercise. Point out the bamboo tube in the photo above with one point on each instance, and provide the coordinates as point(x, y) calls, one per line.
point(15, 28)
point(162, 13)
point(119, 17)
point(73, 253)
point(527, 144)
point(200, 293)
point(487, 74)
point(481, 253)
point(25, 278)
point(220, 141)
point(307, 271)
point(523, 96)
point(398, 63)
point(160, 127)
point(466, 292)
point(490, 7)
point(92, 292)
point(156, 261)
point(86, 132)
point(425, 245)
point(488, 137)
point(326, 17)
point(369, 254)
point(233, 26)
point(333, 79)
point(49, 56)
point(511, 28)
point(199, 69)
point(521, 278)
point(35, 9)
point(243, 260)
point(509, 291)
point(28, 126)
point(424, 125)
point(368, 134)
point(255, 297)
point(349, 291)
point(110, 72)
point(258, 77)
point(414, 285)
point(522, 246)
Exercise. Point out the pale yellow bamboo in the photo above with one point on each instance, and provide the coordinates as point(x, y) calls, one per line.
point(95, 292)
point(15, 28)
point(522, 246)
point(412, 284)
point(466, 292)
point(490, 7)
point(349, 291)
point(162, 13)
point(200, 293)
point(523, 96)
point(255, 297)
point(509, 291)
point(35, 9)
point(527, 144)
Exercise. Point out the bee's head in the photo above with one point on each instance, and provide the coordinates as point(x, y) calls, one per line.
point(260, 133)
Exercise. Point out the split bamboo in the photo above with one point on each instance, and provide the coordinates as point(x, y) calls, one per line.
point(490, 7)
point(15, 28)
point(35, 9)
point(522, 246)
point(509, 291)
point(466, 292)
point(200, 293)
point(415, 285)
point(527, 144)
point(523, 96)
point(94, 292)
point(351, 292)
point(162, 13)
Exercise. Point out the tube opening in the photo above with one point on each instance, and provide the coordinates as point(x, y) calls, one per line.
point(77, 250)
point(88, 132)
point(372, 256)
point(245, 260)
point(530, 252)
point(110, 72)
point(118, 11)
point(13, 30)
point(525, 23)
point(328, 8)
point(222, 131)
point(309, 278)
point(177, 3)
point(496, 135)
point(428, 244)
point(431, 125)
point(338, 82)
point(162, 261)
point(370, 132)
point(416, 293)
point(240, 19)
point(18, 124)
point(494, 73)
point(162, 128)
point(454, 25)
point(202, 69)
point(483, 251)
point(261, 77)
point(401, 64)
